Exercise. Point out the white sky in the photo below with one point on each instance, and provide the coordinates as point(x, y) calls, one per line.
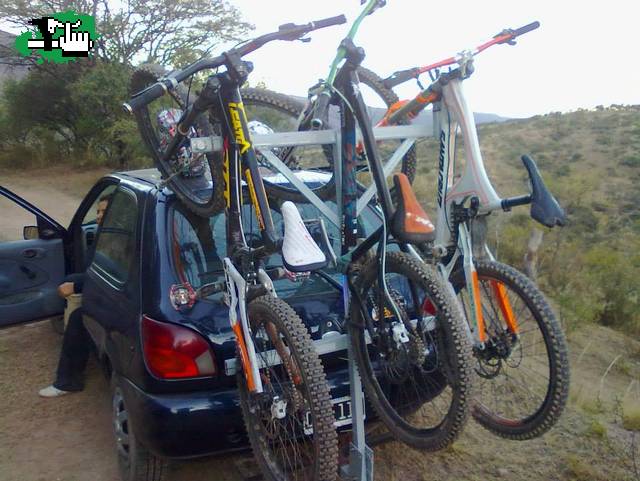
point(584, 53)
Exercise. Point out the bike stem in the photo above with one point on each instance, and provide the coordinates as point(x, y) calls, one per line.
point(342, 51)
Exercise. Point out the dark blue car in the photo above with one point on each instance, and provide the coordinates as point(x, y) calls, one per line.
point(172, 373)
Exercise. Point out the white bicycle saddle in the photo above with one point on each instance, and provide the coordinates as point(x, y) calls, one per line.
point(300, 252)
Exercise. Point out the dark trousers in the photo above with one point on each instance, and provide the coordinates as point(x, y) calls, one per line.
point(76, 346)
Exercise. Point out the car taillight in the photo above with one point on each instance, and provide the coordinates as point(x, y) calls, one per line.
point(175, 352)
point(428, 307)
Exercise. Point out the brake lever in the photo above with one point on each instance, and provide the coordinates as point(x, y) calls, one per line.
point(508, 31)
point(305, 39)
point(287, 26)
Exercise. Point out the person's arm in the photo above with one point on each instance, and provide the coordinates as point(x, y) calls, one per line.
point(78, 284)
point(73, 285)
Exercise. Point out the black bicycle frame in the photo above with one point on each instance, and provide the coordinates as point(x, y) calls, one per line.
point(354, 109)
point(222, 95)
point(240, 161)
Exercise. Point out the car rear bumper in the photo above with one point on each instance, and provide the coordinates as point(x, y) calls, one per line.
point(196, 423)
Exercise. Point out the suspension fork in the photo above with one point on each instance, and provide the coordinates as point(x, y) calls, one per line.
point(465, 245)
point(237, 289)
point(472, 284)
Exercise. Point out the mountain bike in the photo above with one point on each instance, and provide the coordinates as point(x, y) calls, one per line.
point(519, 347)
point(405, 325)
point(284, 394)
point(270, 111)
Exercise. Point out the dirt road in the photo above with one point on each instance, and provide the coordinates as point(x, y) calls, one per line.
point(67, 438)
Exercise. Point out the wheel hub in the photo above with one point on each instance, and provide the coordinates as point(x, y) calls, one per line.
point(278, 408)
point(121, 424)
point(497, 350)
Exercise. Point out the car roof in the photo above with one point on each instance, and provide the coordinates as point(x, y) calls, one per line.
point(153, 178)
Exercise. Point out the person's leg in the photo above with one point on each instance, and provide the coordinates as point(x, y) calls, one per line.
point(76, 346)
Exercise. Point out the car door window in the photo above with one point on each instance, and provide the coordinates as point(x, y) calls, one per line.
point(116, 244)
point(87, 230)
point(14, 219)
point(89, 218)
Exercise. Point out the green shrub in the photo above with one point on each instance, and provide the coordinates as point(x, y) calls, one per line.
point(631, 161)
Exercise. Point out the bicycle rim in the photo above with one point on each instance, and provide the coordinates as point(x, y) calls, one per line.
point(523, 380)
point(420, 388)
point(269, 112)
point(195, 178)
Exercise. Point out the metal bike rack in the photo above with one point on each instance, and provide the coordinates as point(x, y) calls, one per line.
point(360, 467)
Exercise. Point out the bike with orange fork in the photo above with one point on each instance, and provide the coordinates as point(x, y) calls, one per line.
point(519, 347)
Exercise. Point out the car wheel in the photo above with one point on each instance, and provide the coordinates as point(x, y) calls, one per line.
point(135, 462)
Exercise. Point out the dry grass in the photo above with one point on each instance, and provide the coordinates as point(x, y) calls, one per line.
point(597, 430)
point(580, 469)
point(631, 418)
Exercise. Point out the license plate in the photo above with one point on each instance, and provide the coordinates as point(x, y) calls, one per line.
point(341, 411)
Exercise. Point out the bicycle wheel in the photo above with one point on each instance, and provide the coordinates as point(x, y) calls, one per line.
point(269, 111)
point(195, 178)
point(291, 424)
point(524, 378)
point(419, 383)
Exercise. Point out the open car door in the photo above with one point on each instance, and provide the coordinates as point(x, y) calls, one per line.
point(32, 262)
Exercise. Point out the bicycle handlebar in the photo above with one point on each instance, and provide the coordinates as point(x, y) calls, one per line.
point(506, 36)
point(288, 32)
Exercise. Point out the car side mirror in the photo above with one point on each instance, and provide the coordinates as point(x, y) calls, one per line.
point(30, 232)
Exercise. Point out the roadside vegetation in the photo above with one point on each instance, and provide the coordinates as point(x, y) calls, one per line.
point(591, 161)
point(71, 113)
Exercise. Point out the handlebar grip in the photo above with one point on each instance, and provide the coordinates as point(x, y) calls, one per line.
point(527, 28)
point(328, 22)
point(145, 97)
point(321, 111)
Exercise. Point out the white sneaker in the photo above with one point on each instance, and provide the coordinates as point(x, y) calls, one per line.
point(52, 391)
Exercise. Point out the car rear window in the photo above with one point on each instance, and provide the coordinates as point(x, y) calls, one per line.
point(199, 244)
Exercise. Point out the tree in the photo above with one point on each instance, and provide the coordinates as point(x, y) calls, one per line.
point(169, 32)
point(76, 107)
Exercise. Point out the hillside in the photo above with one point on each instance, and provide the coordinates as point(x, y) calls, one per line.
point(591, 162)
